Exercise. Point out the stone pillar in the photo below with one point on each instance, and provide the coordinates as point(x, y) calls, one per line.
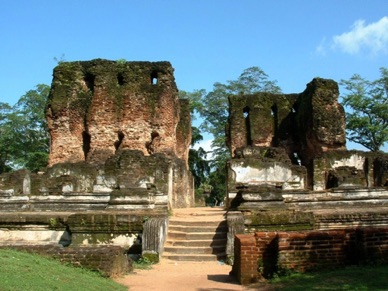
point(154, 236)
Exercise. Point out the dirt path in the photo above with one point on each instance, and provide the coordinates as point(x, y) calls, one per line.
point(177, 276)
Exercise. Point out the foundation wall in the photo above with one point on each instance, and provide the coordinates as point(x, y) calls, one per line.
point(262, 254)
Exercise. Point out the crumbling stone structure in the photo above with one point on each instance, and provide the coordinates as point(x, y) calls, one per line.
point(265, 253)
point(99, 107)
point(124, 117)
point(287, 147)
point(290, 170)
point(119, 162)
point(120, 139)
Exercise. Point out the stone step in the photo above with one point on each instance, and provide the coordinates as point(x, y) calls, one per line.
point(195, 250)
point(198, 212)
point(197, 228)
point(194, 257)
point(196, 235)
point(190, 222)
point(197, 243)
point(179, 235)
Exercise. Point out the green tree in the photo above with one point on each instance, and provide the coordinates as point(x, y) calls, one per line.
point(198, 163)
point(367, 110)
point(6, 129)
point(24, 137)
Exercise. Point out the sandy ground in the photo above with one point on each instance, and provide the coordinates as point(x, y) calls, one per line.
point(177, 276)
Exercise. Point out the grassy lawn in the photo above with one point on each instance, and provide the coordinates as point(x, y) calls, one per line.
point(22, 271)
point(349, 278)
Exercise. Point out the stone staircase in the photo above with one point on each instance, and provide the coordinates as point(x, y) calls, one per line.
point(196, 234)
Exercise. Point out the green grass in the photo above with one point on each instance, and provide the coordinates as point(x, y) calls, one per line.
point(349, 278)
point(143, 263)
point(23, 271)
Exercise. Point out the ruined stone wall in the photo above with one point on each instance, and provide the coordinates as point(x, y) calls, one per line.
point(296, 142)
point(119, 155)
point(344, 169)
point(128, 180)
point(264, 253)
point(183, 131)
point(307, 124)
point(261, 119)
point(98, 107)
point(103, 112)
point(320, 119)
point(110, 261)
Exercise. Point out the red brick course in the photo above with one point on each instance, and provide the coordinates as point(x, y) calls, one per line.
point(264, 253)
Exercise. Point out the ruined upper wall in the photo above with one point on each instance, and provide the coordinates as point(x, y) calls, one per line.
point(307, 124)
point(320, 118)
point(98, 107)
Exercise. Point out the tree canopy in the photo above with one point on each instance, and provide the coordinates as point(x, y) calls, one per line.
point(24, 140)
point(367, 110)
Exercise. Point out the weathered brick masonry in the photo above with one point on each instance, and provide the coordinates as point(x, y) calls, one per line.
point(261, 254)
point(119, 144)
point(306, 200)
point(110, 261)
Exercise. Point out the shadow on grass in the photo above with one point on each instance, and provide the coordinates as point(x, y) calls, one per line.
point(349, 278)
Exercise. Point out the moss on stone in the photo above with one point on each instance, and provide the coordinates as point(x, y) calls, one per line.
point(280, 220)
point(151, 257)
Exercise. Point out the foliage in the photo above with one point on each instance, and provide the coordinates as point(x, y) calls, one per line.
point(367, 117)
point(349, 278)
point(6, 131)
point(217, 181)
point(121, 61)
point(143, 263)
point(195, 99)
point(198, 163)
point(60, 60)
point(24, 140)
point(23, 271)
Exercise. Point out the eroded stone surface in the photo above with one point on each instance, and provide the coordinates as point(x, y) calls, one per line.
point(98, 107)
point(286, 147)
point(308, 123)
point(119, 155)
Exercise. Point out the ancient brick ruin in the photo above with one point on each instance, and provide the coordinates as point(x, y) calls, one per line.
point(120, 139)
point(291, 181)
point(118, 164)
point(98, 108)
point(266, 252)
point(125, 119)
point(287, 147)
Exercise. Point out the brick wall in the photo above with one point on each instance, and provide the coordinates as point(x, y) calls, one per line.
point(110, 261)
point(264, 253)
point(244, 268)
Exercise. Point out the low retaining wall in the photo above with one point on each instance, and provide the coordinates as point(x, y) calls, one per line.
point(262, 254)
point(110, 261)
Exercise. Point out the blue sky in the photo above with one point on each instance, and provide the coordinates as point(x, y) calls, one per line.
point(206, 41)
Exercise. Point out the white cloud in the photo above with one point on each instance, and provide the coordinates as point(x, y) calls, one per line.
point(371, 38)
point(321, 48)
